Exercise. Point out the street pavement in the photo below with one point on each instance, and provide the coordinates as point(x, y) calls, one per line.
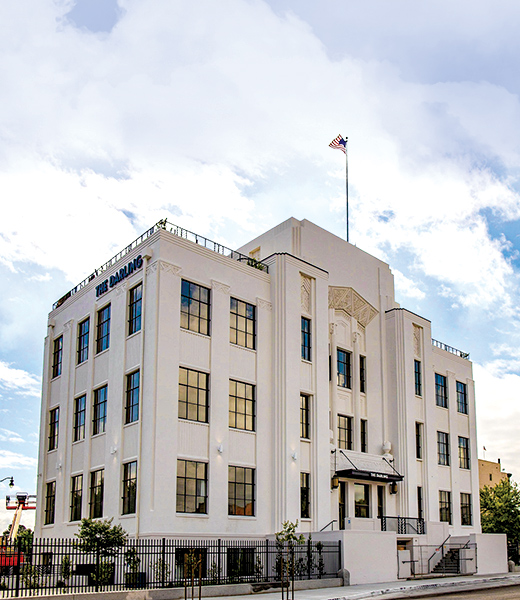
point(437, 587)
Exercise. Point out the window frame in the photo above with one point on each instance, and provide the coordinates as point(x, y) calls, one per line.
point(97, 492)
point(201, 483)
point(445, 507)
point(466, 512)
point(362, 507)
point(241, 491)
point(306, 339)
point(103, 328)
point(236, 415)
point(191, 304)
point(236, 318)
point(76, 497)
point(54, 428)
point(362, 374)
point(79, 425)
point(132, 397)
point(135, 306)
point(57, 357)
point(83, 341)
point(417, 368)
point(462, 398)
point(364, 435)
point(464, 453)
point(50, 503)
point(344, 368)
point(305, 495)
point(441, 390)
point(99, 410)
point(184, 397)
point(345, 441)
point(419, 438)
point(129, 482)
point(305, 416)
point(443, 448)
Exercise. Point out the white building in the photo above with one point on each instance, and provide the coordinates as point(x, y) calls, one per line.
point(191, 391)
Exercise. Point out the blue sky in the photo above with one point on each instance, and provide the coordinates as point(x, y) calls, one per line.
point(219, 115)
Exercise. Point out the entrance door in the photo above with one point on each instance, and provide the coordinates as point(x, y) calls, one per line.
point(342, 504)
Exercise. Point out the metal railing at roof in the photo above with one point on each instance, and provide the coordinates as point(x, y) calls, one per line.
point(450, 349)
point(179, 232)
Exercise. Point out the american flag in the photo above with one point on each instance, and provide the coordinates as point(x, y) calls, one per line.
point(339, 143)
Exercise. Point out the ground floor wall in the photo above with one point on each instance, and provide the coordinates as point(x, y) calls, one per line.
point(491, 552)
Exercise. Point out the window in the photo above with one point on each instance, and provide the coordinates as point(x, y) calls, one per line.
point(193, 395)
point(305, 417)
point(103, 329)
point(195, 307)
point(241, 491)
point(443, 448)
point(78, 432)
point(184, 560)
point(83, 331)
point(364, 435)
point(57, 356)
point(445, 506)
point(129, 487)
point(465, 509)
point(305, 495)
point(54, 423)
point(134, 309)
point(344, 369)
point(76, 497)
point(418, 440)
point(99, 419)
point(242, 324)
point(132, 397)
point(344, 432)
point(464, 461)
point(97, 484)
point(420, 506)
point(362, 500)
point(50, 503)
point(418, 377)
point(362, 374)
point(462, 398)
point(240, 562)
point(441, 391)
point(241, 405)
point(380, 501)
point(192, 486)
point(306, 338)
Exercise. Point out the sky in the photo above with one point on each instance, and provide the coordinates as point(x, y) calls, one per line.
point(218, 115)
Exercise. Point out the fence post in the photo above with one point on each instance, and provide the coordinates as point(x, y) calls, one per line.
point(218, 560)
point(18, 568)
point(163, 564)
point(97, 567)
point(340, 565)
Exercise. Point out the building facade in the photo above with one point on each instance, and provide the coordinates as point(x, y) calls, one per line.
point(490, 473)
point(189, 390)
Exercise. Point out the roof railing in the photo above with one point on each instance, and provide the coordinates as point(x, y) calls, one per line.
point(443, 346)
point(179, 232)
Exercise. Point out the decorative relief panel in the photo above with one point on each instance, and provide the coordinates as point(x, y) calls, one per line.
point(68, 325)
point(264, 304)
point(121, 289)
point(306, 293)
point(151, 268)
point(220, 287)
point(350, 302)
point(343, 331)
point(417, 340)
point(169, 268)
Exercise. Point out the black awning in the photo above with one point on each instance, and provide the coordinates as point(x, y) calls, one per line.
point(369, 475)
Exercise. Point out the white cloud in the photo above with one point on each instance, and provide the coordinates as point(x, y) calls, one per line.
point(19, 381)
point(14, 460)
point(406, 286)
point(10, 436)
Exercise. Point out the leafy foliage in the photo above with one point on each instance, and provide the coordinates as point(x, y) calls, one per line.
point(102, 536)
point(500, 509)
point(23, 537)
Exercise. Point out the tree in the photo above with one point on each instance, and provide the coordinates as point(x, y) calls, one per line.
point(101, 536)
point(24, 537)
point(500, 509)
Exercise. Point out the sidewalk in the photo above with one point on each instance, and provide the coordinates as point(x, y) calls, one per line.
point(400, 589)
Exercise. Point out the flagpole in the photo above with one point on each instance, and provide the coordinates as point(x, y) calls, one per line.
point(346, 178)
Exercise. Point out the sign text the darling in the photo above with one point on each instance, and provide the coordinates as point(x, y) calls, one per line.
point(124, 272)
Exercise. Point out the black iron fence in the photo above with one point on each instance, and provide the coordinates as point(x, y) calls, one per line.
point(54, 565)
point(403, 525)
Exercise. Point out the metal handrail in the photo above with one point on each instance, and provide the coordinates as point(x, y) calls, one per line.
point(441, 547)
point(331, 523)
point(450, 349)
point(179, 232)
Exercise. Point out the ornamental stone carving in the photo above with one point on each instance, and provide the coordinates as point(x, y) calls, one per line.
point(417, 340)
point(169, 268)
point(121, 289)
point(220, 287)
point(68, 325)
point(151, 268)
point(306, 293)
point(351, 303)
point(264, 304)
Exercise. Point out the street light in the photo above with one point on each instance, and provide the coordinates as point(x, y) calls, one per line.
point(11, 481)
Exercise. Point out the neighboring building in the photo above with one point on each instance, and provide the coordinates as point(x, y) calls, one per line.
point(189, 390)
point(490, 473)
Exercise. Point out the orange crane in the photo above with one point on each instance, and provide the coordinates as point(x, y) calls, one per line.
point(19, 502)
